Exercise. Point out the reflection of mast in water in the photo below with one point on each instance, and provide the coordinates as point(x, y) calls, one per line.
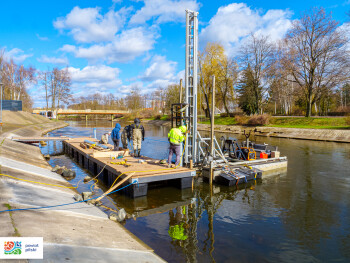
point(203, 200)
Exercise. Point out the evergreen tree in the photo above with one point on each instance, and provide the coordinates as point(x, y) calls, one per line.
point(249, 92)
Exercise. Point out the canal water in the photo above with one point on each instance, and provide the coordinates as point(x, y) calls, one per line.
point(302, 215)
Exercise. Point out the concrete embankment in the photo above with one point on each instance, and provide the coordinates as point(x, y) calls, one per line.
point(331, 135)
point(72, 233)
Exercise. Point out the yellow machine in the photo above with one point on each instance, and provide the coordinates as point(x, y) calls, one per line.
point(249, 153)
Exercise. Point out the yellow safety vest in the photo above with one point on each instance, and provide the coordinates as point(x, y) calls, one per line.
point(175, 136)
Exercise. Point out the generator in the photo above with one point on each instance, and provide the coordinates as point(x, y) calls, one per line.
point(249, 153)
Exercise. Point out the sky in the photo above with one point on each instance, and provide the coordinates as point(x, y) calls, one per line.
point(111, 45)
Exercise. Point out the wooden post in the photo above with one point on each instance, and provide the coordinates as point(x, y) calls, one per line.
point(86, 118)
point(180, 101)
point(212, 146)
point(111, 117)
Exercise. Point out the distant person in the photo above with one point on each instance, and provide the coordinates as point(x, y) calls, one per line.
point(125, 137)
point(175, 137)
point(137, 132)
point(104, 138)
point(116, 136)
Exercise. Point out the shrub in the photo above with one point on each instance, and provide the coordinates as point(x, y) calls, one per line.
point(241, 120)
point(259, 120)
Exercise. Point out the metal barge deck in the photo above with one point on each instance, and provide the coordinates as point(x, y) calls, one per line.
point(147, 170)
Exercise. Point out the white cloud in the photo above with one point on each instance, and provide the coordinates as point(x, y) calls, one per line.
point(101, 74)
point(125, 47)
point(160, 69)
point(233, 24)
point(87, 25)
point(164, 11)
point(42, 38)
point(53, 60)
point(17, 55)
point(95, 79)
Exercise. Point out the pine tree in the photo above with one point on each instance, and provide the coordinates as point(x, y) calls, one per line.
point(249, 92)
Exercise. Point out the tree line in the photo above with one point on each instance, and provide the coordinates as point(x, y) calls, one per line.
point(307, 72)
point(17, 80)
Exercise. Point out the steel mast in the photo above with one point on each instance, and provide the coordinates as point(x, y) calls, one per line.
point(191, 78)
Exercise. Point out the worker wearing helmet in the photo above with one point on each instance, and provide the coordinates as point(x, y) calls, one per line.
point(137, 132)
point(175, 137)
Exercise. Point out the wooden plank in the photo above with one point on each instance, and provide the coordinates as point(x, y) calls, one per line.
point(148, 169)
point(114, 187)
point(97, 154)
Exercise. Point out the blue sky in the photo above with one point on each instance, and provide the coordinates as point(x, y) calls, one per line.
point(111, 45)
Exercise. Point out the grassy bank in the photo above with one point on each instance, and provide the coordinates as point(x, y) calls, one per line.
point(310, 123)
point(292, 122)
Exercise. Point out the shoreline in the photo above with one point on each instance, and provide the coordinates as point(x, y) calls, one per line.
point(106, 239)
point(327, 135)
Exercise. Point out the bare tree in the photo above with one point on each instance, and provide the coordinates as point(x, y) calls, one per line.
point(134, 99)
point(228, 77)
point(23, 78)
point(64, 83)
point(258, 55)
point(317, 55)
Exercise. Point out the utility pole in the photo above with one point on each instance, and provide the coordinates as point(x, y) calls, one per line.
point(212, 146)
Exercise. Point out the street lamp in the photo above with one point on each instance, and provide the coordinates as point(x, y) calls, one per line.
point(1, 106)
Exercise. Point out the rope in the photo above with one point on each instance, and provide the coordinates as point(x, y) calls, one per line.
point(29, 181)
point(51, 206)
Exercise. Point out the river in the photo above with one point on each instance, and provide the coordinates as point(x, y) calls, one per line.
point(302, 215)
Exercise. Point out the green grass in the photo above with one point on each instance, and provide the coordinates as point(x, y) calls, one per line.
point(16, 234)
point(291, 122)
point(309, 123)
point(220, 121)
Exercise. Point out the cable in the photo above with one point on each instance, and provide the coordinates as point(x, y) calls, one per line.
point(51, 206)
point(56, 185)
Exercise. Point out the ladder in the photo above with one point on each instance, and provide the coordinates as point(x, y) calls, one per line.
point(191, 78)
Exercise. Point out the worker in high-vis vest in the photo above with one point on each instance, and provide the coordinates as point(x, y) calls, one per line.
point(175, 137)
point(137, 132)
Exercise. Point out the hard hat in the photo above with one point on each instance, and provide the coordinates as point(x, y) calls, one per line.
point(183, 128)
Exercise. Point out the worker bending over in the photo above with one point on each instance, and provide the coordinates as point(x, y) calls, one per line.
point(138, 135)
point(175, 137)
point(116, 136)
point(125, 137)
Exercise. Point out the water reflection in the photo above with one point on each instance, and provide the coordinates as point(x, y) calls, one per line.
point(299, 216)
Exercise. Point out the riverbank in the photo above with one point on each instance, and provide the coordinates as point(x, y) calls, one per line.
point(75, 233)
point(330, 135)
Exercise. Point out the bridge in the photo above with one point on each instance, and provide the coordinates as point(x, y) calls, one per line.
point(87, 112)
